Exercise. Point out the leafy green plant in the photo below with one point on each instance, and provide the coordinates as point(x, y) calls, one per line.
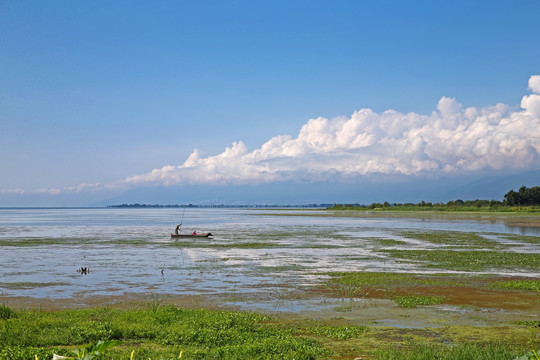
point(531, 355)
point(412, 301)
point(466, 351)
point(93, 350)
point(533, 285)
point(339, 332)
point(473, 260)
point(6, 312)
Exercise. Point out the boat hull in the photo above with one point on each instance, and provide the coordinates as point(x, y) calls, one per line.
point(190, 235)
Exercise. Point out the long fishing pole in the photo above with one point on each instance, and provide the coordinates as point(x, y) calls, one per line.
point(183, 213)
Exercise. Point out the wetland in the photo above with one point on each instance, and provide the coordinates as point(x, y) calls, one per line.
point(337, 284)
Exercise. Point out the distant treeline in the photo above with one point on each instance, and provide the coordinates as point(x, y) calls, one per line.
point(220, 206)
point(523, 197)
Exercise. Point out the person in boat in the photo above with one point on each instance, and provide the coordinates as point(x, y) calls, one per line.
point(177, 228)
point(194, 233)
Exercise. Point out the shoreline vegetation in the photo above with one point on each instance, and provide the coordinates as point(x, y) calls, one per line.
point(468, 206)
point(524, 200)
point(156, 330)
point(220, 206)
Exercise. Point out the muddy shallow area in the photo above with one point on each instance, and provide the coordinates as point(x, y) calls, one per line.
point(278, 261)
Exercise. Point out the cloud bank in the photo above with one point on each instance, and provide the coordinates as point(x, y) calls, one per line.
point(451, 139)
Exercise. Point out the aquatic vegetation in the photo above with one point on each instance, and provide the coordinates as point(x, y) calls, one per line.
point(248, 245)
point(236, 245)
point(522, 238)
point(283, 268)
point(364, 284)
point(133, 242)
point(370, 278)
point(361, 284)
point(283, 293)
point(29, 284)
point(41, 241)
point(385, 241)
point(412, 301)
point(533, 285)
point(339, 332)
point(454, 238)
point(468, 260)
point(318, 246)
point(413, 290)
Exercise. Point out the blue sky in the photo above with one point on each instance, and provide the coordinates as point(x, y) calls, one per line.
point(102, 97)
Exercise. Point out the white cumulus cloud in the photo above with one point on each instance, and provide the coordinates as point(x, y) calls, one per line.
point(450, 139)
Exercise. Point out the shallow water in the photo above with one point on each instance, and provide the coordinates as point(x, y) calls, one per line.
point(256, 259)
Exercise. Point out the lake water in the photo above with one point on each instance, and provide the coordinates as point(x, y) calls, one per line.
point(255, 254)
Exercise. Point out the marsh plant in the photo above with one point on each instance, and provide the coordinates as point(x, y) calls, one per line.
point(155, 333)
point(532, 285)
point(90, 351)
point(413, 301)
point(467, 351)
point(531, 355)
point(6, 312)
point(339, 332)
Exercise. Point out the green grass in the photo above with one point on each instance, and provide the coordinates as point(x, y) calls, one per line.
point(413, 301)
point(440, 209)
point(388, 280)
point(468, 260)
point(530, 285)
point(357, 284)
point(338, 332)
point(6, 312)
point(163, 332)
point(158, 332)
point(467, 351)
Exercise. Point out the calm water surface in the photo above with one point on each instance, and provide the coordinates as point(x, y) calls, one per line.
point(254, 253)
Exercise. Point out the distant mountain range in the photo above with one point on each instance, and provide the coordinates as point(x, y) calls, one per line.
point(491, 187)
point(362, 191)
point(494, 187)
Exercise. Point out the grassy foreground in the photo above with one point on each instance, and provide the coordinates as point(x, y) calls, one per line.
point(168, 332)
point(153, 333)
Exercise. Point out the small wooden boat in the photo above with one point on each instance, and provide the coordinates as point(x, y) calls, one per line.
point(190, 235)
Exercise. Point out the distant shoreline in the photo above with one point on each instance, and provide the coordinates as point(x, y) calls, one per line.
point(219, 206)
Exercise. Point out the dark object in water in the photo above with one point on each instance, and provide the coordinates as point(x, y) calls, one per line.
point(83, 270)
point(191, 235)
